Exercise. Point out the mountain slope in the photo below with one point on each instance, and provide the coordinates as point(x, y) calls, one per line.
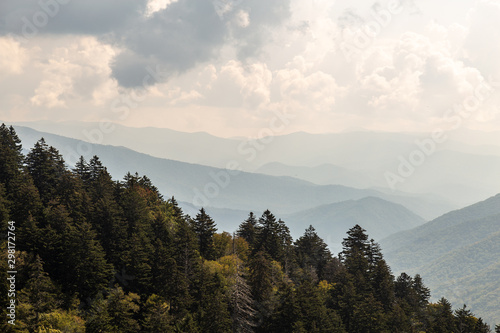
point(379, 217)
point(457, 254)
point(411, 240)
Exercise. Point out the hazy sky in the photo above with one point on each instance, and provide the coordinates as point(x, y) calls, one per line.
point(236, 67)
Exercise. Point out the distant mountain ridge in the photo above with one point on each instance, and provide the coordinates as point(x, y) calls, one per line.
point(457, 254)
point(244, 192)
point(462, 169)
point(379, 217)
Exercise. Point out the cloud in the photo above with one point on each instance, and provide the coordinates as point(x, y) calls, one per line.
point(173, 35)
point(234, 62)
point(68, 17)
point(75, 73)
point(481, 45)
point(189, 32)
point(13, 57)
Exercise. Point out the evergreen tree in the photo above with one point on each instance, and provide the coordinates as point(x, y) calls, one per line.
point(82, 170)
point(248, 229)
point(47, 168)
point(355, 257)
point(204, 227)
point(261, 282)
point(11, 157)
point(422, 293)
point(39, 296)
point(287, 315)
point(188, 265)
point(273, 237)
point(122, 309)
point(90, 272)
point(115, 314)
point(441, 317)
point(466, 322)
point(314, 315)
point(157, 317)
point(312, 253)
point(213, 310)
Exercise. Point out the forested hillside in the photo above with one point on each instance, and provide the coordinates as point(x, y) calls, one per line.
point(98, 255)
point(457, 254)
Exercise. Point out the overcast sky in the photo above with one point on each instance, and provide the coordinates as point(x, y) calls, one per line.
point(235, 67)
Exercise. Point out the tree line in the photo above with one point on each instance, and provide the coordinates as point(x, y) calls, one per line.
point(98, 255)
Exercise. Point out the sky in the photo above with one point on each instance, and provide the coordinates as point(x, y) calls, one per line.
point(253, 67)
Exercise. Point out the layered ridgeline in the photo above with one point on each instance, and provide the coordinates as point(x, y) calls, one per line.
point(228, 196)
point(98, 255)
point(461, 168)
point(379, 217)
point(457, 254)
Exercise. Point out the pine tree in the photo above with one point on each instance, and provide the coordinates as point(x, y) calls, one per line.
point(39, 296)
point(90, 272)
point(11, 157)
point(287, 315)
point(46, 167)
point(273, 237)
point(466, 322)
point(312, 253)
point(248, 229)
point(356, 258)
point(157, 317)
point(204, 227)
point(122, 309)
point(22, 197)
point(213, 310)
point(314, 315)
point(422, 292)
point(261, 282)
point(115, 314)
point(82, 170)
point(106, 215)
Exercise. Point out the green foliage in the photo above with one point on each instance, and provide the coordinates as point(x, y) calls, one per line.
point(61, 321)
point(157, 317)
point(176, 274)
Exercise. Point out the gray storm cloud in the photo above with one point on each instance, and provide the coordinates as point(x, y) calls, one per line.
point(168, 42)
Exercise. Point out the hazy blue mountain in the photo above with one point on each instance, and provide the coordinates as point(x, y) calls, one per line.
point(199, 148)
point(457, 254)
point(246, 191)
point(379, 217)
point(321, 174)
point(462, 169)
point(425, 237)
point(213, 187)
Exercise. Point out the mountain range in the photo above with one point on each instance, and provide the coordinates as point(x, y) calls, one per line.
point(231, 196)
point(456, 254)
point(460, 170)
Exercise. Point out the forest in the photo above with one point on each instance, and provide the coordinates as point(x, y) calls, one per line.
point(93, 254)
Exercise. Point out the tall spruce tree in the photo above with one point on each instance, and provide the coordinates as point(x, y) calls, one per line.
point(248, 229)
point(312, 253)
point(46, 166)
point(204, 227)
